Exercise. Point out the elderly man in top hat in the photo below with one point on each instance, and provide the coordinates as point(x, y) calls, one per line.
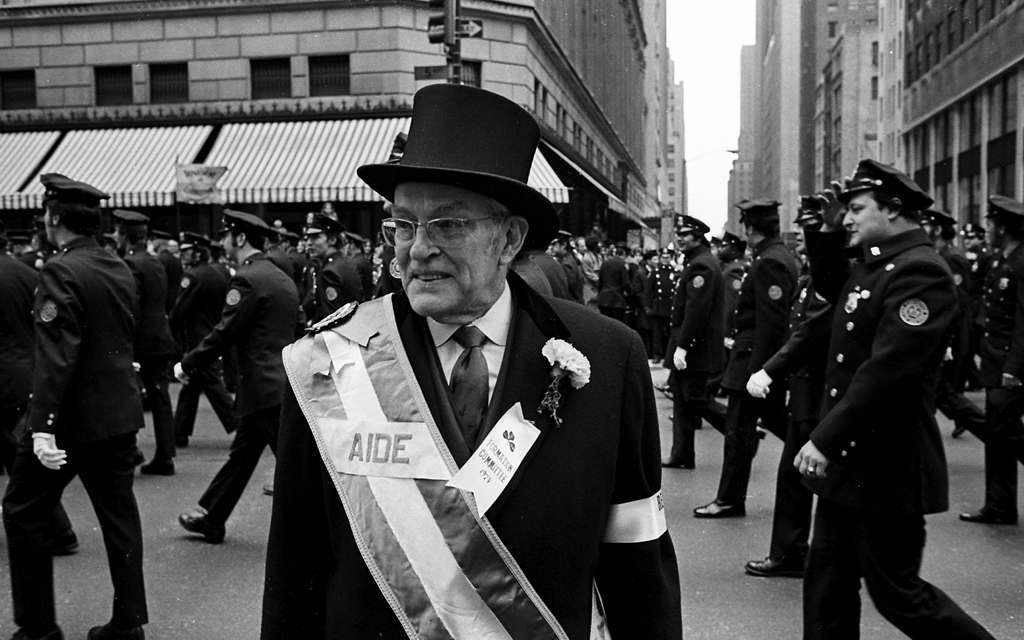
point(875, 460)
point(468, 459)
point(82, 418)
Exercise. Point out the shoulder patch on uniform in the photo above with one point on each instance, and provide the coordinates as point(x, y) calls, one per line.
point(1004, 283)
point(185, 282)
point(234, 297)
point(393, 269)
point(331, 294)
point(335, 319)
point(958, 279)
point(775, 292)
point(697, 282)
point(914, 312)
point(48, 311)
point(736, 284)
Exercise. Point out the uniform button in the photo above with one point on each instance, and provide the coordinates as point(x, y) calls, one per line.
point(833, 392)
point(840, 357)
point(843, 453)
point(849, 326)
point(852, 444)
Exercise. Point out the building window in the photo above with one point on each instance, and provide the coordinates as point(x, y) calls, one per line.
point(951, 31)
point(938, 42)
point(832, 28)
point(874, 87)
point(927, 53)
point(168, 82)
point(979, 13)
point(577, 136)
point(113, 85)
point(965, 22)
point(18, 89)
point(471, 72)
point(874, 54)
point(329, 75)
point(270, 78)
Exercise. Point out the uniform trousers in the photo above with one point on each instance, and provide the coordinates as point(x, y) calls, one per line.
point(255, 432)
point(208, 381)
point(155, 375)
point(950, 400)
point(791, 519)
point(885, 550)
point(106, 470)
point(659, 336)
point(691, 402)
point(1004, 449)
point(741, 437)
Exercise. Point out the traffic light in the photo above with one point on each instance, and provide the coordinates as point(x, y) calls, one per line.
point(441, 26)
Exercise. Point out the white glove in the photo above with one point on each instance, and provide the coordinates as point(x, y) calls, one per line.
point(948, 356)
point(679, 358)
point(44, 445)
point(728, 342)
point(137, 367)
point(759, 383)
point(179, 373)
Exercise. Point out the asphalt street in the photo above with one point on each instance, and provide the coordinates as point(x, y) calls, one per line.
point(213, 592)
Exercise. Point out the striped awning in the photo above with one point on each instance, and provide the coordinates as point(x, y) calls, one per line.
point(315, 161)
point(135, 166)
point(20, 153)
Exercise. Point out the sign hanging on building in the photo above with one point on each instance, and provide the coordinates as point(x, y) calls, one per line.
point(197, 183)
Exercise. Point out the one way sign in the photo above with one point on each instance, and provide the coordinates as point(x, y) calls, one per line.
point(469, 28)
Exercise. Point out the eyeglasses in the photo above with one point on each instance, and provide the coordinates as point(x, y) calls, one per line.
point(440, 231)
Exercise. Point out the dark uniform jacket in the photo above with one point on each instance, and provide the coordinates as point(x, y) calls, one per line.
point(17, 335)
point(698, 297)
point(1002, 348)
point(960, 267)
point(152, 331)
point(174, 270)
point(733, 273)
point(659, 291)
point(614, 283)
point(339, 280)
point(878, 416)
point(762, 311)
point(551, 517)
point(804, 356)
point(197, 310)
point(83, 385)
point(258, 319)
point(554, 273)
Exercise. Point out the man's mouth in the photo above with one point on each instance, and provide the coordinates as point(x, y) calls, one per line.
point(430, 276)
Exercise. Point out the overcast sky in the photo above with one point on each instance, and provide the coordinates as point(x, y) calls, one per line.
point(704, 40)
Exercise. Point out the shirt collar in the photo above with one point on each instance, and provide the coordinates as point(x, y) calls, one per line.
point(494, 324)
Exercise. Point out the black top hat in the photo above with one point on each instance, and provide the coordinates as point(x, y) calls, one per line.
point(872, 175)
point(938, 218)
point(324, 224)
point(764, 209)
point(192, 240)
point(1001, 205)
point(688, 224)
point(64, 189)
point(129, 218)
point(242, 222)
point(473, 139)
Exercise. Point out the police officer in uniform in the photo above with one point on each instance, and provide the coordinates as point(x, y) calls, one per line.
point(82, 418)
point(154, 346)
point(171, 262)
point(695, 346)
point(258, 319)
point(659, 292)
point(803, 360)
point(875, 460)
point(334, 281)
point(195, 314)
point(979, 257)
point(762, 315)
point(1002, 363)
point(561, 249)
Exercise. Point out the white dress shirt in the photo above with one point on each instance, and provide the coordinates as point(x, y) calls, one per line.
point(494, 324)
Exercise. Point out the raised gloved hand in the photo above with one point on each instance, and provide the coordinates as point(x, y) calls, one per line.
point(759, 384)
point(44, 445)
point(179, 373)
point(832, 210)
point(679, 358)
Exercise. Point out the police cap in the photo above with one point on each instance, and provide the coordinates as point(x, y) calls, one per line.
point(872, 175)
point(971, 230)
point(160, 234)
point(324, 224)
point(192, 240)
point(242, 222)
point(938, 218)
point(129, 218)
point(63, 189)
point(764, 209)
point(689, 224)
point(1003, 206)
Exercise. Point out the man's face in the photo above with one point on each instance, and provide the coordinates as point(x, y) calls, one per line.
point(687, 241)
point(454, 283)
point(996, 234)
point(318, 245)
point(120, 238)
point(188, 257)
point(865, 221)
point(230, 242)
point(50, 225)
point(973, 242)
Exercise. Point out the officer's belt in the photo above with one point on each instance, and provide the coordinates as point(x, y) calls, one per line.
point(440, 566)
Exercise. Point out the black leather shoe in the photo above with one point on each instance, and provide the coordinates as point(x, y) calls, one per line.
point(672, 464)
point(718, 509)
point(110, 632)
point(987, 516)
point(197, 521)
point(157, 468)
point(137, 458)
point(65, 545)
point(53, 634)
point(773, 568)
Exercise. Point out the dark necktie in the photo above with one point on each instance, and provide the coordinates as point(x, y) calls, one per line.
point(469, 383)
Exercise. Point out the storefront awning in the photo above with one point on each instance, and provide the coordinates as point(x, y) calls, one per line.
point(135, 166)
point(614, 202)
point(20, 153)
point(316, 161)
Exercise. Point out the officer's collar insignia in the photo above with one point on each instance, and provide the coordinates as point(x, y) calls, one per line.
point(851, 301)
point(338, 318)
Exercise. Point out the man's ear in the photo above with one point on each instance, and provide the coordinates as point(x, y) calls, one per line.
point(516, 228)
point(895, 209)
point(241, 239)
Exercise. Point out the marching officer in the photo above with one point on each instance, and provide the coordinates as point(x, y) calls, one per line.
point(949, 398)
point(659, 292)
point(334, 279)
point(1002, 363)
point(695, 345)
point(803, 360)
point(82, 418)
point(171, 262)
point(732, 255)
point(154, 345)
point(195, 314)
point(875, 460)
point(762, 315)
point(979, 257)
point(258, 319)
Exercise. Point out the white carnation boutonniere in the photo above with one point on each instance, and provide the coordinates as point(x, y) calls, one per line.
point(566, 362)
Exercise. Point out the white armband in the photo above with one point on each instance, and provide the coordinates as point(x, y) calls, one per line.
point(637, 521)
